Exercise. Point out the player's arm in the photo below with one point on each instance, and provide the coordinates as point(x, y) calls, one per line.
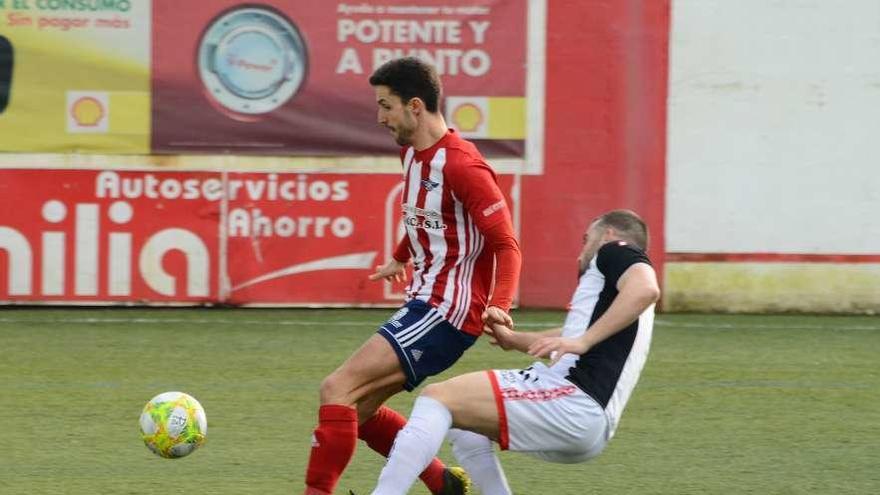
point(637, 290)
point(473, 182)
point(502, 242)
point(508, 339)
point(395, 269)
point(402, 252)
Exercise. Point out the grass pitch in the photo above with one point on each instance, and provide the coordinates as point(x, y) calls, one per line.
point(726, 405)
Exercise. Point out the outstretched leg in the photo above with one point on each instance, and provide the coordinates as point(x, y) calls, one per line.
point(475, 453)
point(379, 432)
point(415, 446)
point(466, 401)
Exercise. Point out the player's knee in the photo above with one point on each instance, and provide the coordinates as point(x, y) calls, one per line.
point(334, 390)
point(438, 392)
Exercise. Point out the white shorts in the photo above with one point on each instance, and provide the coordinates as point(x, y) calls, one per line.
point(546, 416)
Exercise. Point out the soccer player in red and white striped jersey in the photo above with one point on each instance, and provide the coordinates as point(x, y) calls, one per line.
point(466, 263)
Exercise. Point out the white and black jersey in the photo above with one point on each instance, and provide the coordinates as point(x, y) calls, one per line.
point(608, 372)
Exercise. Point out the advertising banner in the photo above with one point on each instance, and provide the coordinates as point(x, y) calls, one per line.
point(291, 77)
point(276, 77)
point(308, 238)
point(108, 236)
point(74, 76)
point(197, 237)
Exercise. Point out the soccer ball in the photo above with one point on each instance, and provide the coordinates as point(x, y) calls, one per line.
point(173, 425)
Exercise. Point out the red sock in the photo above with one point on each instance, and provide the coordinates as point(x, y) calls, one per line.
point(333, 446)
point(379, 433)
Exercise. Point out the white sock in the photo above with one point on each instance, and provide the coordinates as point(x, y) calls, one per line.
point(415, 446)
point(475, 454)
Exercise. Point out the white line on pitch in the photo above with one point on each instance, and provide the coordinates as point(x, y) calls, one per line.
point(221, 321)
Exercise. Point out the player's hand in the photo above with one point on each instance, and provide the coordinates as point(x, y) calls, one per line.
point(500, 335)
point(393, 271)
point(557, 347)
point(493, 315)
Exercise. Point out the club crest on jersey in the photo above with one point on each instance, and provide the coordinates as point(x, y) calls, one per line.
point(429, 185)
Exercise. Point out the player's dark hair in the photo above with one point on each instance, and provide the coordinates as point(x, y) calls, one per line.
point(410, 78)
point(628, 225)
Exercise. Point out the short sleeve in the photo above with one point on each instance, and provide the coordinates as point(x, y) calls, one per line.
point(615, 257)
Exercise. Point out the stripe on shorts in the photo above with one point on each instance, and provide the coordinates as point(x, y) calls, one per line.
point(503, 432)
point(419, 329)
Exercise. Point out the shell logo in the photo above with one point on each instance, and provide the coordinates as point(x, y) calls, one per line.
point(87, 111)
point(467, 117)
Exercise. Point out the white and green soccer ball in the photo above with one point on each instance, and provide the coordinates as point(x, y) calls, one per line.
point(173, 425)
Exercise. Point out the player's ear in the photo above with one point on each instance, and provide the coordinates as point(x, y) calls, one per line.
point(416, 105)
point(610, 233)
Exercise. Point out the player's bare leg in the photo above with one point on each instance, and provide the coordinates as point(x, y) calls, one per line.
point(471, 401)
point(372, 403)
point(372, 368)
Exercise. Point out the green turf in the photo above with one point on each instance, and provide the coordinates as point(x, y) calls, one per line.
point(726, 405)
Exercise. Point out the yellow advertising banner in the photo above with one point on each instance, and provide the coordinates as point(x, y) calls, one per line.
point(75, 76)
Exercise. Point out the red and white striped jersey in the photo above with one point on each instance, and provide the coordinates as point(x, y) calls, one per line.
point(450, 200)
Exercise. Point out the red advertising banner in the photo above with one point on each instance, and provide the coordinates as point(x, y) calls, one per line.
point(290, 77)
point(91, 236)
point(308, 238)
point(197, 237)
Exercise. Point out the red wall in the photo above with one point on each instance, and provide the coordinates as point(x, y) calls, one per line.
point(605, 143)
point(604, 148)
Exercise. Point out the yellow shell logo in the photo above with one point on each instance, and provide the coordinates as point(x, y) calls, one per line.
point(467, 117)
point(87, 112)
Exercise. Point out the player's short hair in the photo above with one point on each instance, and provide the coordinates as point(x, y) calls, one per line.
point(410, 78)
point(628, 225)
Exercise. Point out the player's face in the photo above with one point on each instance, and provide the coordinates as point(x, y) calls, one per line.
point(396, 116)
point(593, 239)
